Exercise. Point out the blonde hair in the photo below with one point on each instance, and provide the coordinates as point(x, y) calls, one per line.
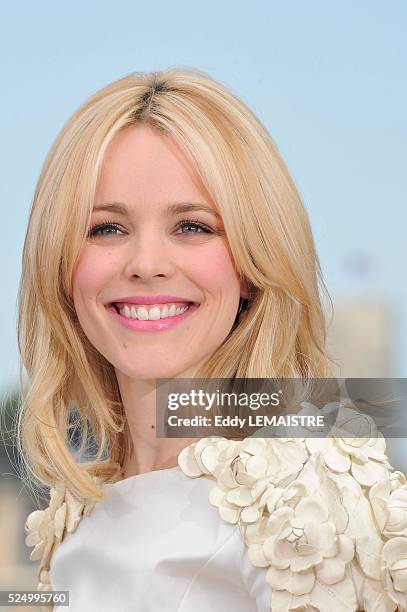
point(281, 333)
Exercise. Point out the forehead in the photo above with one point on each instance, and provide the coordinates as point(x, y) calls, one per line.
point(142, 163)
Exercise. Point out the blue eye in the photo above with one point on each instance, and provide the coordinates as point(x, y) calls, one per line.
point(196, 225)
point(98, 230)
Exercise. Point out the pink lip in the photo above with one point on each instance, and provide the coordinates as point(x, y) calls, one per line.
point(150, 299)
point(151, 326)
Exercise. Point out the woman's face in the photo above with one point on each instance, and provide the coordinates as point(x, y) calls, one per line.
point(143, 251)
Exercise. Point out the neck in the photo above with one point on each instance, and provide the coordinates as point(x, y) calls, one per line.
point(149, 452)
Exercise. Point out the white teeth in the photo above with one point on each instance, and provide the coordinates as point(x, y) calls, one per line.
point(153, 314)
point(142, 313)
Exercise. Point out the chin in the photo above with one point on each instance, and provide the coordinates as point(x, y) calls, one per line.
point(152, 372)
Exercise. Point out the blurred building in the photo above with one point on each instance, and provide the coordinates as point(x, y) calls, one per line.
point(361, 338)
point(16, 569)
point(17, 572)
point(361, 341)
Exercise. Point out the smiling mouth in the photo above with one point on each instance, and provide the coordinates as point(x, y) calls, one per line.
point(152, 312)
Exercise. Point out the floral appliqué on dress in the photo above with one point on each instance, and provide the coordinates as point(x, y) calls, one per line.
point(47, 528)
point(326, 516)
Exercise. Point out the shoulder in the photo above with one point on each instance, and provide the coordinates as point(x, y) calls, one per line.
point(326, 518)
point(46, 529)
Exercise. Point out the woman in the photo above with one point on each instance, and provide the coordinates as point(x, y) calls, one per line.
point(167, 240)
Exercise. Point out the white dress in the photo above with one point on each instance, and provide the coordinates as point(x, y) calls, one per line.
point(154, 544)
point(253, 525)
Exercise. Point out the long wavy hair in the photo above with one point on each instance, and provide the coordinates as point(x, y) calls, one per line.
point(72, 395)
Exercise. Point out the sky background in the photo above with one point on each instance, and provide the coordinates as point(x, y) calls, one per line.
point(328, 79)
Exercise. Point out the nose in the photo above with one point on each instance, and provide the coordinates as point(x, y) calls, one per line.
point(148, 257)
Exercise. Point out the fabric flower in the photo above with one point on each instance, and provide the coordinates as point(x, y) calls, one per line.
point(202, 457)
point(364, 457)
point(47, 528)
point(394, 571)
point(304, 542)
point(389, 502)
point(305, 514)
point(243, 471)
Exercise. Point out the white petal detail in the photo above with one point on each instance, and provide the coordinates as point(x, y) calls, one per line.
point(47, 528)
point(305, 511)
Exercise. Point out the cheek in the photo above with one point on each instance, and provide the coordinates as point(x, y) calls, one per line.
point(92, 272)
point(215, 270)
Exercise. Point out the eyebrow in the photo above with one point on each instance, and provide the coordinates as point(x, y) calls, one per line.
point(174, 208)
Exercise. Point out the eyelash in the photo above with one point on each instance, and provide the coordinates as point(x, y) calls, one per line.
point(105, 224)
